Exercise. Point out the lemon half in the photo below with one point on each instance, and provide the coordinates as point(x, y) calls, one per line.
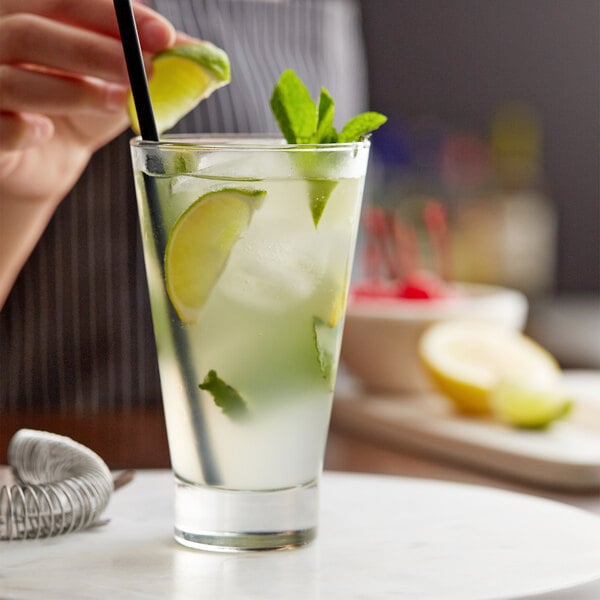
point(467, 360)
point(182, 77)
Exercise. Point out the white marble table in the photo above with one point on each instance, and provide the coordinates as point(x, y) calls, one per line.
point(380, 537)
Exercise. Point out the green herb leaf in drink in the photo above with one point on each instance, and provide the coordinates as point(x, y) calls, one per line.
point(303, 122)
point(320, 191)
point(325, 338)
point(226, 397)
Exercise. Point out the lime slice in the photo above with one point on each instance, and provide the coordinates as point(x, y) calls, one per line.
point(529, 407)
point(467, 360)
point(337, 307)
point(200, 243)
point(336, 302)
point(182, 77)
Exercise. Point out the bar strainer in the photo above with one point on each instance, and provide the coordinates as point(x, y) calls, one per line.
point(61, 486)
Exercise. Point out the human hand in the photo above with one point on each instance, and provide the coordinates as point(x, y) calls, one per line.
point(64, 82)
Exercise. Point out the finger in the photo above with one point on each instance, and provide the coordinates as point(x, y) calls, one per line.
point(23, 130)
point(28, 38)
point(31, 91)
point(155, 32)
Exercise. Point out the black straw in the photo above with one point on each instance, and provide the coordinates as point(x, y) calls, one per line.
point(136, 70)
point(149, 131)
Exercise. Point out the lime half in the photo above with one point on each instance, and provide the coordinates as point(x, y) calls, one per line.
point(182, 77)
point(529, 407)
point(468, 359)
point(200, 243)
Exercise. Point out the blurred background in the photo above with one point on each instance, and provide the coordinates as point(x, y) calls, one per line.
point(494, 109)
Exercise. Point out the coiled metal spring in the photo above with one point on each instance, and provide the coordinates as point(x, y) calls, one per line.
point(62, 486)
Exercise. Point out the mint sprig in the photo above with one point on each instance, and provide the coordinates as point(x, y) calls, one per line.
point(303, 122)
point(225, 396)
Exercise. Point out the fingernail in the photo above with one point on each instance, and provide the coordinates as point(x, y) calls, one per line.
point(115, 96)
point(156, 35)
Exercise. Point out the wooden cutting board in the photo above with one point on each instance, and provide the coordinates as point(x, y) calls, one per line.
point(566, 456)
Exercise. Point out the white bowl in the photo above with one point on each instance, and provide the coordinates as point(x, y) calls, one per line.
point(381, 337)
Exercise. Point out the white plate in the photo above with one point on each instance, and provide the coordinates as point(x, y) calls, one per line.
point(380, 538)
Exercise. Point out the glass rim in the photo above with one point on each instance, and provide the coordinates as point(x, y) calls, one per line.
point(239, 141)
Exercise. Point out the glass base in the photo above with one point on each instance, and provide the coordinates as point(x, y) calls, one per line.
point(209, 518)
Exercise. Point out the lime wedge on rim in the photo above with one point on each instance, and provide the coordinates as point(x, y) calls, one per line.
point(200, 243)
point(467, 360)
point(182, 77)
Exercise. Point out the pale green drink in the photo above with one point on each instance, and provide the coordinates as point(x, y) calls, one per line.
point(280, 223)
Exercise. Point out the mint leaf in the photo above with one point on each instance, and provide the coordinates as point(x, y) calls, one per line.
point(359, 126)
point(225, 397)
point(294, 109)
point(325, 342)
point(279, 110)
point(319, 192)
point(326, 133)
point(180, 163)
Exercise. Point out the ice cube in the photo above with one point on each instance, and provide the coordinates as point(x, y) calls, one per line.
point(272, 275)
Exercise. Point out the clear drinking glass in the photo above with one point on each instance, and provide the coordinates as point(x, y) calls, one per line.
point(248, 245)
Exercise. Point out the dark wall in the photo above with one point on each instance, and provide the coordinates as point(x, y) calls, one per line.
point(459, 59)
